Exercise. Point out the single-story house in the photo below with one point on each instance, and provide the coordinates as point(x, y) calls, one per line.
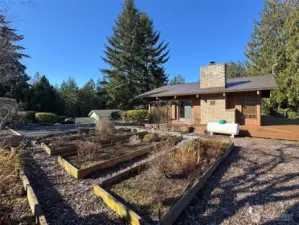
point(102, 114)
point(236, 100)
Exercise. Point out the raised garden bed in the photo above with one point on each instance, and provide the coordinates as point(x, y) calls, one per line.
point(161, 191)
point(68, 144)
point(35, 207)
point(110, 156)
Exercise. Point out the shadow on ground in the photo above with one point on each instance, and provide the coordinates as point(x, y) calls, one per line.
point(222, 198)
point(53, 201)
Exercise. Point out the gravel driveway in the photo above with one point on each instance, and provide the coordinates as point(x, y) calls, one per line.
point(257, 184)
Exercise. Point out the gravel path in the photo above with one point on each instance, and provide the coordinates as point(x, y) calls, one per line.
point(257, 184)
point(66, 200)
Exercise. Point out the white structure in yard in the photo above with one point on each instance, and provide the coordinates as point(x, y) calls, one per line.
point(227, 128)
point(102, 114)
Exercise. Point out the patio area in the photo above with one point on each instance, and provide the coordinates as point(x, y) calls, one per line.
point(272, 127)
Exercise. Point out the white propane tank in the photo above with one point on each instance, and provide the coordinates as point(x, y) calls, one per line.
point(227, 128)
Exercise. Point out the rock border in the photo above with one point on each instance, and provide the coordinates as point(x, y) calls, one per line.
point(174, 212)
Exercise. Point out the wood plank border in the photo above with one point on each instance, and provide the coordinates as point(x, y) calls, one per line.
point(81, 173)
point(73, 148)
point(118, 207)
point(35, 207)
point(188, 196)
point(173, 213)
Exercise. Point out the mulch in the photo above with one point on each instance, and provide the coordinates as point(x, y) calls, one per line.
point(257, 184)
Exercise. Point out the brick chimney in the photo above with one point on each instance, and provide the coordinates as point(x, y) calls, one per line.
point(213, 75)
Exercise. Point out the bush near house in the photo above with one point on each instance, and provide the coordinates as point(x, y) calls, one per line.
point(46, 117)
point(135, 116)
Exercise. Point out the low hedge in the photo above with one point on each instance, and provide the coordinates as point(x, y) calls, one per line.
point(134, 116)
point(46, 117)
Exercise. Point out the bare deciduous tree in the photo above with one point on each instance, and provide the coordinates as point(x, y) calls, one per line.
point(8, 108)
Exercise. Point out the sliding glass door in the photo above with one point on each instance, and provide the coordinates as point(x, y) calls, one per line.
point(186, 110)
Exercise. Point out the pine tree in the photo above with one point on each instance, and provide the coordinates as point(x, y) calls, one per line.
point(152, 55)
point(135, 57)
point(288, 77)
point(121, 55)
point(101, 91)
point(236, 69)
point(272, 49)
point(69, 92)
point(11, 68)
point(178, 79)
point(44, 97)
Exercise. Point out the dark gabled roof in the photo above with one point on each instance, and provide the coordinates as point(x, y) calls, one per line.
point(252, 83)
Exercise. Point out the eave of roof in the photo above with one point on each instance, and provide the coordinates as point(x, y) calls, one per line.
point(243, 84)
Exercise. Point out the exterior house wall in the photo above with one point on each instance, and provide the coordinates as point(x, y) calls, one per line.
point(196, 110)
point(213, 76)
point(213, 108)
point(236, 101)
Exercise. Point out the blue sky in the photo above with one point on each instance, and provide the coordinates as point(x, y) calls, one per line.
point(66, 37)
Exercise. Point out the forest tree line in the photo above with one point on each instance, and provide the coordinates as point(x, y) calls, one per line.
point(136, 57)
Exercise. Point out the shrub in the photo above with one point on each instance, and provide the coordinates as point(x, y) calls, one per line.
point(151, 137)
point(105, 127)
point(176, 164)
point(115, 115)
point(293, 115)
point(187, 161)
point(187, 129)
point(45, 117)
point(88, 151)
point(134, 140)
point(134, 116)
point(30, 117)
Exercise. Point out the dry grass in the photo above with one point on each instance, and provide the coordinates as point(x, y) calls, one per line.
point(12, 205)
point(105, 127)
point(88, 151)
point(151, 137)
point(155, 190)
point(188, 161)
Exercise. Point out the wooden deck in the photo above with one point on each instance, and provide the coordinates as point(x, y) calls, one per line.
point(283, 132)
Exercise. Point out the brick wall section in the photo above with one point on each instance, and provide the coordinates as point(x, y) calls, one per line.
point(213, 76)
point(218, 111)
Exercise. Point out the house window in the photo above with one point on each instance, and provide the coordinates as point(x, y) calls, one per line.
point(212, 102)
point(249, 107)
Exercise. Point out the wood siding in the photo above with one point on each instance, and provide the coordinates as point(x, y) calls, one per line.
point(196, 111)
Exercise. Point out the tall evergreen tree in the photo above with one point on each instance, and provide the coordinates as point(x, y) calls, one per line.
point(272, 49)
point(135, 57)
point(236, 69)
point(45, 98)
point(153, 55)
point(87, 98)
point(288, 73)
point(178, 79)
point(121, 56)
point(69, 92)
point(11, 68)
point(101, 92)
